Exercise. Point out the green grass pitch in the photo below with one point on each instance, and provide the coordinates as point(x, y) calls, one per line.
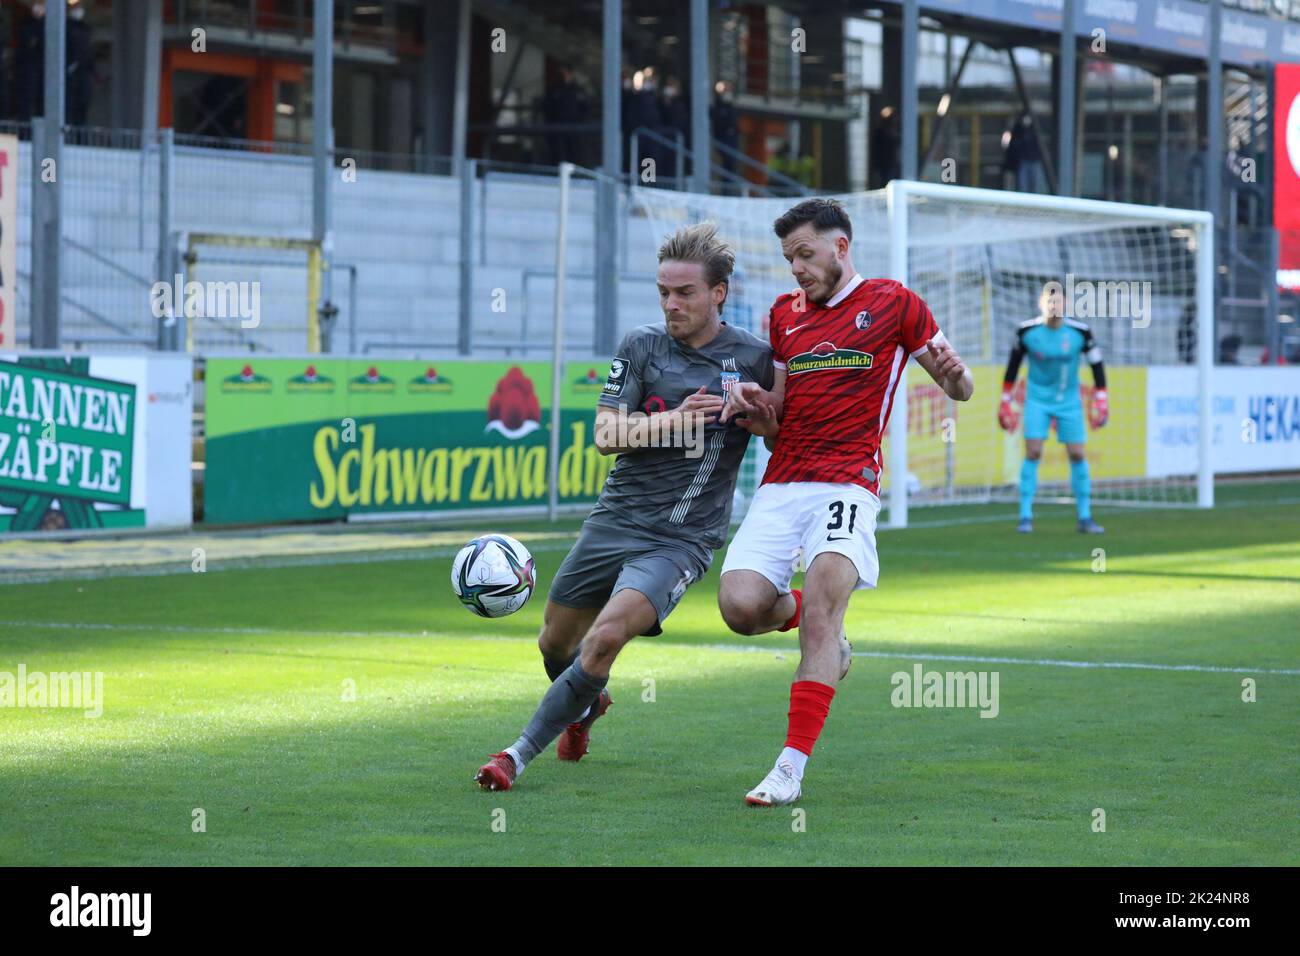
point(225, 692)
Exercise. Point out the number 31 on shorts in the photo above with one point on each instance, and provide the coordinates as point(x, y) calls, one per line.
point(837, 519)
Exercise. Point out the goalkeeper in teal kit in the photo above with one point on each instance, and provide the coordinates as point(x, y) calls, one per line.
point(1054, 345)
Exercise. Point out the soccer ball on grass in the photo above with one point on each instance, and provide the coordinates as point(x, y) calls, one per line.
point(493, 575)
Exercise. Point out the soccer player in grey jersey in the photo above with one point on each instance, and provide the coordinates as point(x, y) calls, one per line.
point(666, 505)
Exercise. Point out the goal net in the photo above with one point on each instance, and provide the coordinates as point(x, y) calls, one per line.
point(1140, 277)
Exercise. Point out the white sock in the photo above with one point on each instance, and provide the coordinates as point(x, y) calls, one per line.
point(519, 761)
point(796, 758)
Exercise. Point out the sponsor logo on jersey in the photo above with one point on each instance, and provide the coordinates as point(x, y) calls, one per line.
point(862, 319)
point(728, 380)
point(827, 358)
point(617, 376)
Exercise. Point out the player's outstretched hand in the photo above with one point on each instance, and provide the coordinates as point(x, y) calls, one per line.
point(948, 365)
point(702, 405)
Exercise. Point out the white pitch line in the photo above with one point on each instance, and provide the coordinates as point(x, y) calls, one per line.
point(1035, 662)
point(731, 648)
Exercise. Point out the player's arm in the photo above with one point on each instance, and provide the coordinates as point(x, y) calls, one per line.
point(757, 406)
point(614, 426)
point(1008, 417)
point(924, 342)
point(947, 369)
point(1099, 412)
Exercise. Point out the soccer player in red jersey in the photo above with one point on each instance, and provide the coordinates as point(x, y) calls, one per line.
point(839, 345)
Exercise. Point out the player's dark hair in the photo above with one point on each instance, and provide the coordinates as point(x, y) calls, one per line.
point(700, 243)
point(824, 214)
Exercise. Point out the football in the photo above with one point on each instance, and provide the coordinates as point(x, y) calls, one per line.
point(493, 575)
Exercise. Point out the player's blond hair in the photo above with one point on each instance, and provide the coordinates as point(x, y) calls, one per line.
point(700, 243)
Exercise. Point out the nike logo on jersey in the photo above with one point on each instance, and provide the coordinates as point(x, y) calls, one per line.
point(795, 328)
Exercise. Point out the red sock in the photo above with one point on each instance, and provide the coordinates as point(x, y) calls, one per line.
point(810, 702)
point(791, 624)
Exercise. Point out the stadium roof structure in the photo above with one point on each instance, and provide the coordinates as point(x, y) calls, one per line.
point(1162, 33)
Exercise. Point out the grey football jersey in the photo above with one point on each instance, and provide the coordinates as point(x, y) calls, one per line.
point(665, 490)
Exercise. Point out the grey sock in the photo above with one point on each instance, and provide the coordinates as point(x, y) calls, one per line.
point(555, 666)
point(565, 702)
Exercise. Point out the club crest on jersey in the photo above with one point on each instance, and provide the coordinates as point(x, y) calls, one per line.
point(617, 376)
point(862, 319)
point(827, 358)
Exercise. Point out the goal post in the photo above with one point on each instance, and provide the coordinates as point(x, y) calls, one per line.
point(1141, 277)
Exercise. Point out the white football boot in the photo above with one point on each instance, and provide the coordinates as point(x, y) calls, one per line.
point(778, 788)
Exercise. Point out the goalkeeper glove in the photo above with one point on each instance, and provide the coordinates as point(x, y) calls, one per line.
point(1008, 417)
point(1099, 413)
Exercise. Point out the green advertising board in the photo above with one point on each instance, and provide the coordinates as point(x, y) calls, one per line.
point(303, 439)
point(66, 436)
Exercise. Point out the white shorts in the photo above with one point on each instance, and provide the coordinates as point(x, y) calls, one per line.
point(808, 517)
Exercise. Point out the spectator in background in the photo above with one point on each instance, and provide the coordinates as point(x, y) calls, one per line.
point(29, 65)
point(1024, 155)
point(724, 122)
point(80, 66)
point(565, 103)
point(1229, 346)
point(676, 120)
point(644, 113)
point(886, 149)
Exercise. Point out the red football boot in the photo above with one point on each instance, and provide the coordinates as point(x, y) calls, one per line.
point(572, 744)
point(498, 773)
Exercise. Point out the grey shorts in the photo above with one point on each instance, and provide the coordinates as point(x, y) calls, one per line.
point(608, 558)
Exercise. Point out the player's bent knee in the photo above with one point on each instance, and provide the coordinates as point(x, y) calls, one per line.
point(606, 639)
point(739, 615)
point(745, 603)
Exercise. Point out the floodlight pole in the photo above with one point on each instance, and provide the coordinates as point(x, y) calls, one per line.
point(557, 347)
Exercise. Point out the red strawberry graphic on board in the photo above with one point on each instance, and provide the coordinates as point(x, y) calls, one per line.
point(513, 408)
point(246, 373)
point(310, 374)
point(431, 374)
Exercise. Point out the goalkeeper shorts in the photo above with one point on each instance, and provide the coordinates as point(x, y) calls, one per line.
point(1070, 426)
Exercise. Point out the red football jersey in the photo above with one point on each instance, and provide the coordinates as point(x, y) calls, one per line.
point(842, 362)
